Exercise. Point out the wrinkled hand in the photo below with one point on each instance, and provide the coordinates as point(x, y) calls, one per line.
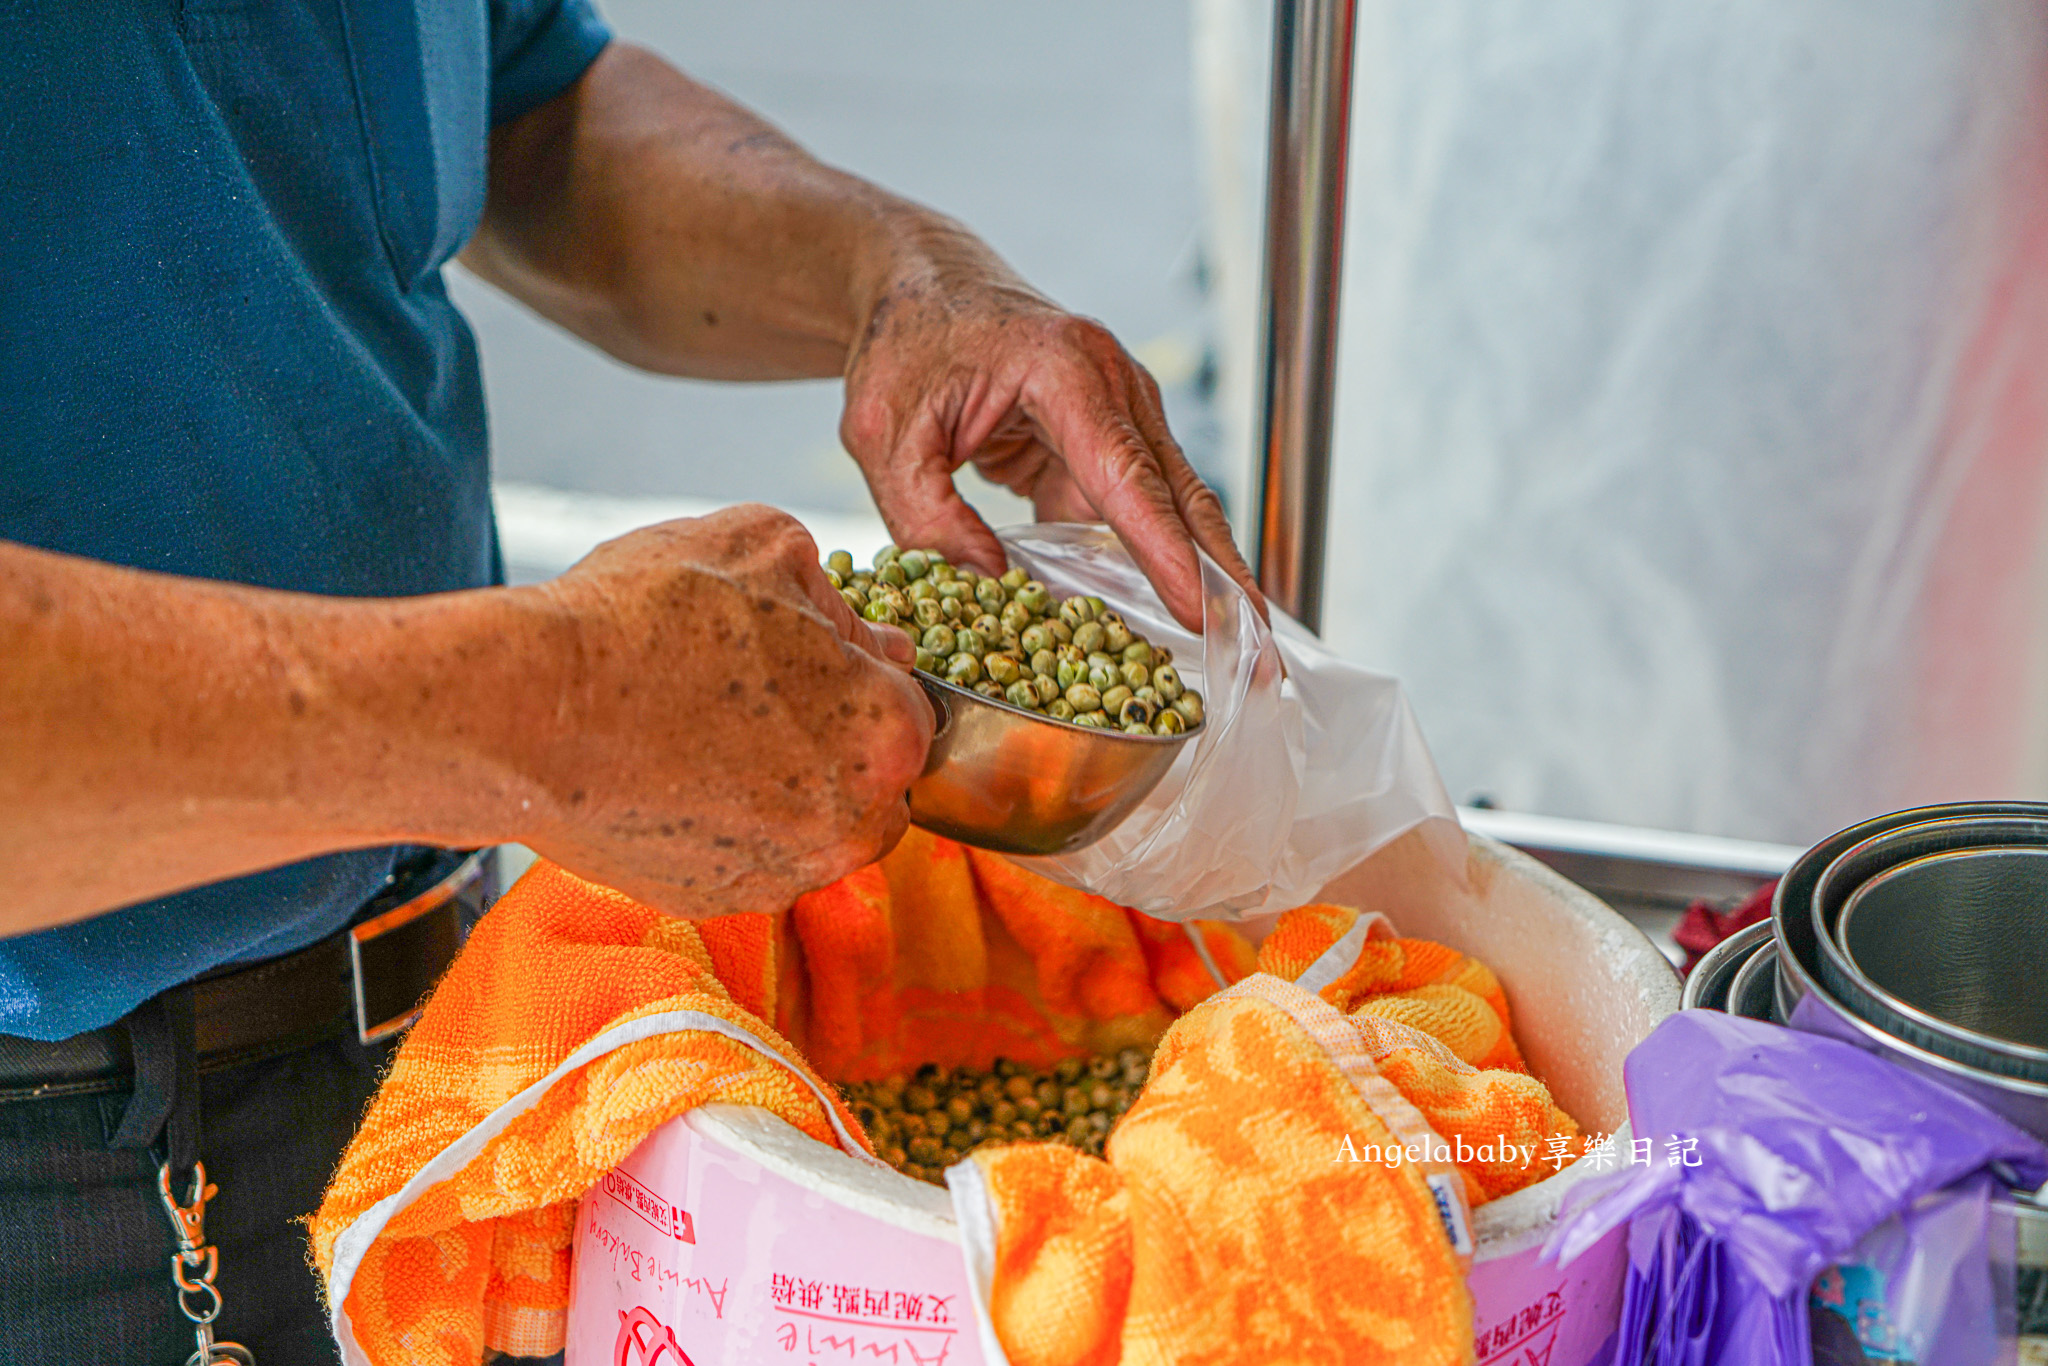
point(728, 734)
point(961, 362)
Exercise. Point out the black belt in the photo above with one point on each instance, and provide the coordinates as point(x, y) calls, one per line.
point(376, 970)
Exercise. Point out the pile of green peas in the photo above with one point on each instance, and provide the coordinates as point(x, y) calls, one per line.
point(923, 1123)
point(1009, 639)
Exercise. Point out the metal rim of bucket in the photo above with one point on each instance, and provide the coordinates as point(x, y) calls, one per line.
point(1885, 1008)
point(1750, 992)
point(1707, 985)
point(1792, 902)
point(1888, 848)
point(1852, 869)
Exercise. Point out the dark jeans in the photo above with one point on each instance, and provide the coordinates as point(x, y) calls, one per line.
point(85, 1247)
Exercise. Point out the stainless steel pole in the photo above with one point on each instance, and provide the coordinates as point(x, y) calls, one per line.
point(1310, 131)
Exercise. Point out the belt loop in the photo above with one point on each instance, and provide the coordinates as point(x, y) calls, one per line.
point(165, 1103)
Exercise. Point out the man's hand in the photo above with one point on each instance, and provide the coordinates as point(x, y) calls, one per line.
point(961, 362)
point(660, 221)
point(730, 734)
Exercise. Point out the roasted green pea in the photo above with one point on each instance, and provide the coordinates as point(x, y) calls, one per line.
point(1166, 681)
point(892, 574)
point(969, 641)
point(915, 563)
point(1132, 712)
point(922, 590)
point(840, 563)
point(1045, 664)
point(1093, 720)
point(955, 590)
point(989, 625)
point(964, 669)
point(1083, 698)
point(1015, 617)
point(1035, 597)
point(1022, 694)
point(952, 609)
point(1061, 632)
point(1059, 709)
point(836, 580)
point(1114, 697)
point(1136, 676)
point(941, 572)
point(880, 612)
point(1102, 677)
point(925, 612)
point(988, 689)
point(1002, 669)
point(1035, 638)
point(1014, 578)
point(1138, 652)
point(1044, 689)
point(927, 662)
point(939, 639)
point(854, 598)
point(1189, 705)
point(1116, 638)
point(1169, 722)
point(1089, 636)
point(989, 593)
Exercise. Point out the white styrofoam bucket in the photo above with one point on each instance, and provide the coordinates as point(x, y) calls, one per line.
point(729, 1237)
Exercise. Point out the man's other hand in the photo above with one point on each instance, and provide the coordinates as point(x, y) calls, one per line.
point(726, 734)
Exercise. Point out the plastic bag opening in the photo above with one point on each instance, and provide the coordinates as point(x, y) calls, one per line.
point(1305, 764)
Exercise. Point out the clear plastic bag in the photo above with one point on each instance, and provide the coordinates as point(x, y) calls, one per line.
point(1305, 763)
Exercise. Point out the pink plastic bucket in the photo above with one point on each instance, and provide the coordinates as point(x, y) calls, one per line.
point(728, 1237)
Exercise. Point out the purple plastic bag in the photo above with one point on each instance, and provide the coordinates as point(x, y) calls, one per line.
point(1800, 1147)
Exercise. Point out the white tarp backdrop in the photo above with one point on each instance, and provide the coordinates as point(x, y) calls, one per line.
point(1693, 395)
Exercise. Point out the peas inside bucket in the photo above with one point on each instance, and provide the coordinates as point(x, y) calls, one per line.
point(924, 1122)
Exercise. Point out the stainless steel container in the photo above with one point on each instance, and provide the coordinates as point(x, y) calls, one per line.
point(1950, 951)
point(1707, 985)
point(1000, 778)
point(1752, 990)
point(1801, 992)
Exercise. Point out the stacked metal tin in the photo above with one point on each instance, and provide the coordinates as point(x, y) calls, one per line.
point(1922, 935)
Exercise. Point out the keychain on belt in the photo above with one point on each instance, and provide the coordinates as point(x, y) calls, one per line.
point(194, 1266)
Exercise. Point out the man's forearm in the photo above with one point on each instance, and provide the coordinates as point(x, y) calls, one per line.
point(659, 220)
point(163, 732)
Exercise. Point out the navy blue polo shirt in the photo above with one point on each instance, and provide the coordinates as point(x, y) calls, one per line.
point(226, 349)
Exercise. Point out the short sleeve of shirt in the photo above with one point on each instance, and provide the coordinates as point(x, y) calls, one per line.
point(538, 49)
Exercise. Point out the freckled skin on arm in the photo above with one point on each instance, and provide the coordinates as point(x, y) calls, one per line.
point(666, 717)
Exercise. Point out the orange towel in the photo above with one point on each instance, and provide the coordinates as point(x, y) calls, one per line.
point(1247, 1211)
point(576, 1022)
